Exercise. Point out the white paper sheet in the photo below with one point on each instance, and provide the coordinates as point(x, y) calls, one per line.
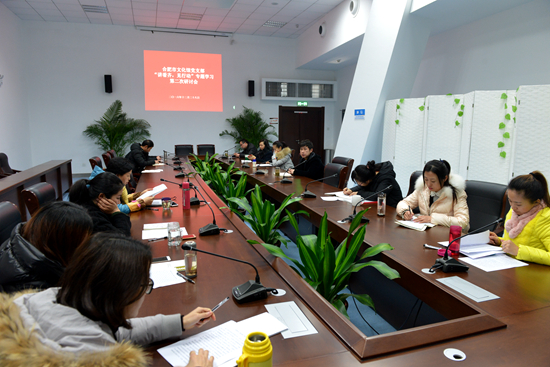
point(151, 171)
point(414, 225)
point(164, 274)
point(155, 191)
point(264, 322)
point(149, 234)
point(290, 314)
point(265, 165)
point(329, 198)
point(494, 262)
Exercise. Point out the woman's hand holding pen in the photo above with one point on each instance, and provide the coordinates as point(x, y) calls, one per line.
point(408, 214)
point(194, 318)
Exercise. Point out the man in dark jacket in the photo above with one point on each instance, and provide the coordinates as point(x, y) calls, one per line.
point(311, 164)
point(139, 155)
point(248, 148)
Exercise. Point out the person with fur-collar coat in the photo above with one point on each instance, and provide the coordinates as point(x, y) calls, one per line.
point(282, 156)
point(440, 197)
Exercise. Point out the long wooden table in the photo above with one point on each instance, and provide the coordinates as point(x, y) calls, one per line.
point(507, 331)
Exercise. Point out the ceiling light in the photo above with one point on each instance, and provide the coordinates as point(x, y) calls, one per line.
point(271, 23)
point(95, 9)
point(183, 31)
point(190, 16)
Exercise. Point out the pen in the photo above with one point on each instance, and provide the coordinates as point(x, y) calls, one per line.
point(218, 306)
point(157, 239)
point(186, 278)
point(432, 247)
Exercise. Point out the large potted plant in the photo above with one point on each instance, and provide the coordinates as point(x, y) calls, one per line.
point(249, 125)
point(328, 269)
point(263, 217)
point(117, 131)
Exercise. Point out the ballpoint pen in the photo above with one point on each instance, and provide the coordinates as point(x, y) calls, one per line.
point(157, 239)
point(186, 278)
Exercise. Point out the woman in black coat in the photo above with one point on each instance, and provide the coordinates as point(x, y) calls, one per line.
point(264, 154)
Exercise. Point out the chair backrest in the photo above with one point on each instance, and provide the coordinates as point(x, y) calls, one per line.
point(112, 153)
point(37, 195)
point(486, 202)
point(412, 181)
point(106, 158)
point(9, 218)
point(183, 149)
point(4, 165)
point(95, 161)
point(338, 181)
point(202, 149)
point(346, 162)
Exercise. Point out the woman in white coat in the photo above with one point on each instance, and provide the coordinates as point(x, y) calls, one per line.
point(440, 197)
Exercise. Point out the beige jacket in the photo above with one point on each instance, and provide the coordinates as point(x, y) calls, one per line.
point(443, 211)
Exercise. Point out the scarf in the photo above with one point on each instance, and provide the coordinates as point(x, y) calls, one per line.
point(516, 223)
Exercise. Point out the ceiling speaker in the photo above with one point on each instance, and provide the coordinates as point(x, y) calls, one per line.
point(322, 29)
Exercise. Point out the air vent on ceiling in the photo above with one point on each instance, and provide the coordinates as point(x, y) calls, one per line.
point(95, 9)
point(273, 24)
point(291, 89)
point(190, 16)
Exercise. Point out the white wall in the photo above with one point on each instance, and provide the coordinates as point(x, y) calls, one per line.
point(66, 64)
point(14, 123)
point(502, 51)
point(341, 27)
point(344, 77)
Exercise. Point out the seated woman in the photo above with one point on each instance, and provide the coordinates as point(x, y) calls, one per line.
point(101, 196)
point(263, 154)
point(122, 168)
point(282, 156)
point(38, 251)
point(371, 178)
point(91, 319)
point(440, 196)
point(527, 227)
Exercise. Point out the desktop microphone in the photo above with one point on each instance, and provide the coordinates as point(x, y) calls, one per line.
point(448, 264)
point(252, 290)
point(309, 194)
point(212, 228)
point(192, 201)
point(363, 219)
point(286, 180)
point(176, 168)
point(226, 152)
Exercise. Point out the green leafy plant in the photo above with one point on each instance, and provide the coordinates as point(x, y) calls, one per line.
point(117, 131)
point(263, 217)
point(249, 125)
point(328, 269)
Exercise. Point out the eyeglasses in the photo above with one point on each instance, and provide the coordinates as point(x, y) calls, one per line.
point(150, 285)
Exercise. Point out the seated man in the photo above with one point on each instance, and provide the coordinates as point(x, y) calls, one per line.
point(310, 165)
point(139, 156)
point(248, 148)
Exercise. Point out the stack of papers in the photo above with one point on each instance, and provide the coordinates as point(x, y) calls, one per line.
point(151, 171)
point(414, 225)
point(164, 274)
point(476, 246)
point(157, 230)
point(265, 165)
point(340, 196)
point(155, 191)
point(494, 262)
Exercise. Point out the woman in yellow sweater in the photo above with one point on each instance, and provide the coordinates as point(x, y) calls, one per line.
point(527, 228)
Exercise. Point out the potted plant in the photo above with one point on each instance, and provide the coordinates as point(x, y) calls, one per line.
point(328, 269)
point(116, 131)
point(249, 125)
point(262, 216)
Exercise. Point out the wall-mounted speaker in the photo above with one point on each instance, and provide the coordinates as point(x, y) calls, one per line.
point(322, 29)
point(251, 88)
point(108, 84)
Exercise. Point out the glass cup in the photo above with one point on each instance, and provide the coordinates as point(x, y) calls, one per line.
point(174, 234)
point(166, 203)
point(277, 171)
point(454, 232)
point(190, 258)
point(381, 205)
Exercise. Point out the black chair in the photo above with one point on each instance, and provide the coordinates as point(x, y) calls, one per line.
point(5, 168)
point(346, 162)
point(412, 181)
point(9, 218)
point(106, 158)
point(338, 181)
point(112, 153)
point(183, 150)
point(486, 202)
point(37, 195)
point(202, 149)
point(95, 161)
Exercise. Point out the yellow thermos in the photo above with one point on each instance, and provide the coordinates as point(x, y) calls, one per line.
point(257, 351)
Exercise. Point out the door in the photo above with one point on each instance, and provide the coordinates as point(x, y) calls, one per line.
point(300, 123)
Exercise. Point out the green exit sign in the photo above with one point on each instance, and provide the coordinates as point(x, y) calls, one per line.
point(301, 104)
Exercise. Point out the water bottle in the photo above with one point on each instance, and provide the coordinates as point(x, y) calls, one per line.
point(257, 351)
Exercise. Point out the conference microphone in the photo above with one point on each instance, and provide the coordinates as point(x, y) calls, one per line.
point(286, 180)
point(212, 228)
point(363, 219)
point(448, 264)
point(309, 194)
point(252, 290)
point(226, 152)
point(192, 201)
point(176, 168)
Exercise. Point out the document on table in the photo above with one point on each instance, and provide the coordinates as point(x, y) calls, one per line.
point(494, 262)
point(151, 171)
point(468, 289)
point(158, 164)
point(329, 198)
point(475, 246)
point(164, 274)
point(224, 342)
point(265, 165)
point(155, 191)
point(158, 230)
point(290, 314)
point(414, 225)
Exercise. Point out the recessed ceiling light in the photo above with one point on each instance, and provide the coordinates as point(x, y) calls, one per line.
point(274, 3)
point(190, 16)
point(95, 9)
point(271, 23)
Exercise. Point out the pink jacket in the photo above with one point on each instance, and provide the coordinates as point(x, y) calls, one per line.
point(444, 211)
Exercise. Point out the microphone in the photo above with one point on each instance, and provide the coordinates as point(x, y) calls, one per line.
point(363, 219)
point(176, 168)
point(448, 264)
point(226, 152)
point(309, 194)
point(209, 229)
point(286, 180)
point(192, 201)
point(252, 290)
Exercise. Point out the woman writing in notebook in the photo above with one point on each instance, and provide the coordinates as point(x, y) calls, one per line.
point(527, 227)
point(439, 195)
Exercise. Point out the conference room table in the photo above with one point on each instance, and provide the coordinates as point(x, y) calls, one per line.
point(506, 331)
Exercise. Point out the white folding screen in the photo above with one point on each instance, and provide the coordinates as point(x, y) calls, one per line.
point(492, 137)
point(388, 137)
point(532, 148)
